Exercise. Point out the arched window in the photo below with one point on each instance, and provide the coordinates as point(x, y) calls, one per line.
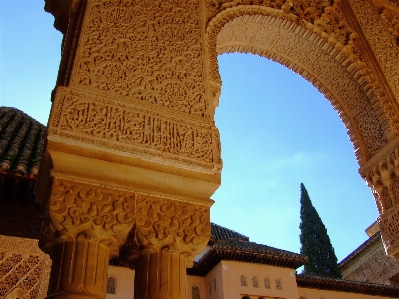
point(255, 282)
point(195, 292)
point(279, 285)
point(214, 284)
point(111, 285)
point(302, 297)
point(246, 297)
point(243, 280)
point(267, 283)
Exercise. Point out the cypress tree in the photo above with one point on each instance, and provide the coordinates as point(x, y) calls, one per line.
point(316, 244)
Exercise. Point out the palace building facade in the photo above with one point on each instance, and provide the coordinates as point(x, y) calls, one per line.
point(131, 155)
point(230, 266)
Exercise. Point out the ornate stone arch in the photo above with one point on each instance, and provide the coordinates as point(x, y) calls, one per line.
point(331, 66)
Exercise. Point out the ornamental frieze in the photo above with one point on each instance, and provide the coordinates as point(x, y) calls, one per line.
point(324, 14)
point(134, 129)
point(148, 51)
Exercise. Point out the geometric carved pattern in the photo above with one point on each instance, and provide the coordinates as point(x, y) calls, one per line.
point(195, 292)
point(389, 228)
point(255, 282)
point(135, 129)
point(317, 61)
point(24, 269)
point(267, 283)
point(382, 41)
point(279, 284)
point(382, 176)
point(148, 51)
point(392, 22)
point(111, 285)
point(243, 280)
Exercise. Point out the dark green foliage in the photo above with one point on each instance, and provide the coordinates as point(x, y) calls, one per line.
point(316, 244)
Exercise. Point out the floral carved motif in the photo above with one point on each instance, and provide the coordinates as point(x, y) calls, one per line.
point(389, 228)
point(178, 225)
point(392, 22)
point(87, 212)
point(382, 43)
point(382, 176)
point(24, 269)
point(129, 128)
point(319, 62)
point(324, 14)
point(148, 51)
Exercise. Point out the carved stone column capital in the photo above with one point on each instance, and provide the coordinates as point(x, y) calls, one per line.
point(82, 212)
point(382, 176)
point(167, 236)
point(177, 225)
point(389, 228)
point(86, 225)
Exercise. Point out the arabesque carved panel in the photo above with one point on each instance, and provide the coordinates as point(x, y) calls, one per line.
point(80, 210)
point(147, 51)
point(318, 62)
point(176, 224)
point(135, 129)
point(24, 269)
point(382, 42)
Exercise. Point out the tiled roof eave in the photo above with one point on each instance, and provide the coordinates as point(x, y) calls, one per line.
point(347, 286)
point(215, 255)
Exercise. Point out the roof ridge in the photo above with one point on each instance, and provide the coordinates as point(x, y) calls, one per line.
point(219, 232)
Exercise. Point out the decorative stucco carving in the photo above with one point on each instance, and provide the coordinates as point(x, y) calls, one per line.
point(80, 211)
point(167, 232)
point(177, 225)
point(382, 176)
point(382, 42)
point(24, 269)
point(317, 57)
point(390, 16)
point(389, 228)
point(326, 15)
point(138, 130)
point(144, 51)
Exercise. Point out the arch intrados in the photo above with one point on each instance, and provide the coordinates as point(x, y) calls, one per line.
point(357, 125)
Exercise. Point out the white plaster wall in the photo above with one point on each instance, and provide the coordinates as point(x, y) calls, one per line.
point(124, 282)
point(196, 280)
point(231, 272)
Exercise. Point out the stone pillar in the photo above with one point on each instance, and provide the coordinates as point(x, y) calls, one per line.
point(85, 227)
point(382, 175)
point(168, 235)
point(131, 145)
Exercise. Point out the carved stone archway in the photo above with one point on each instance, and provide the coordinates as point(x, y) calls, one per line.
point(131, 132)
point(319, 59)
point(328, 48)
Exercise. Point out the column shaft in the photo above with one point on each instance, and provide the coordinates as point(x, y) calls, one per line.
point(79, 269)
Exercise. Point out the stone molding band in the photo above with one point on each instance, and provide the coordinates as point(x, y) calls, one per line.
point(130, 128)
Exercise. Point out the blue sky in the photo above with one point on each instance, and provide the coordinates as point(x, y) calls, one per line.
point(276, 131)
